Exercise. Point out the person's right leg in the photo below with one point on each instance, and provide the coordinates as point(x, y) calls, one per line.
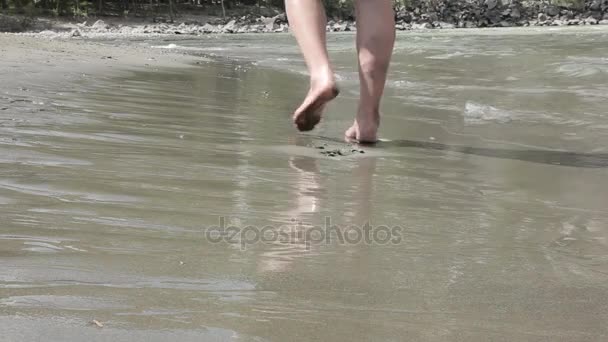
point(375, 40)
point(307, 21)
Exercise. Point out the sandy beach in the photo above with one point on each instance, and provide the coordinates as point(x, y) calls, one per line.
point(31, 60)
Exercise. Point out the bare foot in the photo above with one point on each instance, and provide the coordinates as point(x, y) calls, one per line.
point(308, 115)
point(364, 130)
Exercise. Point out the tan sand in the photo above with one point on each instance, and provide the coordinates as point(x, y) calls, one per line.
point(26, 60)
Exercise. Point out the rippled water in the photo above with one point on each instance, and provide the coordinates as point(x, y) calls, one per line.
point(494, 170)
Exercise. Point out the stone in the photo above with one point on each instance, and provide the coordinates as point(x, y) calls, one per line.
point(551, 10)
point(282, 29)
point(444, 25)
point(282, 18)
point(230, 27)
point(270, 23)
point(491, 4)
point(208, 28)
point(603, 22)
point(422, 26)
point(573, 22)
point(591, 21)
point(542, 17)
point(404, 16)
point(515, 13)
point(100, 25)
point(75, 33)
point(339, 27)
point(596, 5)
point(596, 15)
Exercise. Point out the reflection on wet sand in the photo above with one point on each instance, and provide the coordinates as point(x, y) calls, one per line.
point(308, 196)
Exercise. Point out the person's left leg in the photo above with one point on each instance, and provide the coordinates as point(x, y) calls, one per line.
point(307, 21)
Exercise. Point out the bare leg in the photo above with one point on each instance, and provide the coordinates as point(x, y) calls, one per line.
point(307, 21)
point(375, 40)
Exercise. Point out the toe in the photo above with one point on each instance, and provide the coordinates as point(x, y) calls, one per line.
point(351, 133)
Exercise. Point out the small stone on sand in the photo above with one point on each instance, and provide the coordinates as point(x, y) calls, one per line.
point(97, 323)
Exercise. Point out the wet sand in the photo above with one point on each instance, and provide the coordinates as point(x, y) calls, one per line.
point(113, 186)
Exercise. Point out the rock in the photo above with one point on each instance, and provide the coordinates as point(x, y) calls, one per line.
point(283, 28)
point(505, 23)
point(75, 33)
point(605, 16)
point(591, 21)
point(47, 33)
point(567, 15)
point(558, 22)
point(339, 27)
point(573, 22)
point(596, 15)
point(491, 4)
point(231, 27)
point(551, 10)
point(469, 24)
point(603, 22)
point(515, 13)
point(596, 5)
point(267, 11)
point(444, 25)
point(542, 17)
point(100, 25)
point(423, 26)
point(404, 16)
point(207, 28)
point(270, 23)
point(282, 18)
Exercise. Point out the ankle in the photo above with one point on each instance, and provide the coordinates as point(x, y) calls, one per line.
point(369, 117)
point(322, 78)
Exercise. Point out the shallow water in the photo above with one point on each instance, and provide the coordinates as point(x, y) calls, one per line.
point(491, 184)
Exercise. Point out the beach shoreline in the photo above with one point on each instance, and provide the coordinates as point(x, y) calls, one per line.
point(50, 58)
point(30, 63)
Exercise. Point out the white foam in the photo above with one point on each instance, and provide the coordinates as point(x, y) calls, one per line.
point(475, 113)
